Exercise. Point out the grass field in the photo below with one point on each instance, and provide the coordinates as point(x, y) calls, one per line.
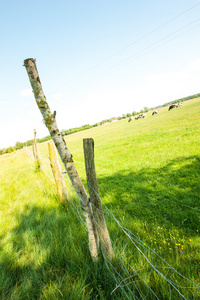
point(148, 174)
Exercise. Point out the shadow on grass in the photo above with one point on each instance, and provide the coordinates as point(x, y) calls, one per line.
point(170, 194)
point(47, 257)
point(36, 254)
point(166, 198)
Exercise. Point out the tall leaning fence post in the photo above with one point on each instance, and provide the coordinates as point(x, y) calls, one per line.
point(66, 157)
point(106, 246)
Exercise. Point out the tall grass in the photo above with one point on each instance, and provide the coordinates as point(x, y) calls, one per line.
point(148, 176)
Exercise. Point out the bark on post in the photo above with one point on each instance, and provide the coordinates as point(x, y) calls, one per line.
point(66, 157)
point(37, 153)
point(88, 145)
point(57, 173)
point(34, 152)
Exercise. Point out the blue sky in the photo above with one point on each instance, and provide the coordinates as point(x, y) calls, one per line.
point(96, 59)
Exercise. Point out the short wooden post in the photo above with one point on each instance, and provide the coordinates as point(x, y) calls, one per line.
point(36, 152)
point(88, 145)
point(66, 157)
point(58, 176)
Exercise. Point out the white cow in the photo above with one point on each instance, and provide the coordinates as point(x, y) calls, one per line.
point(156, 111)
point(130, 119)
point(141, 116)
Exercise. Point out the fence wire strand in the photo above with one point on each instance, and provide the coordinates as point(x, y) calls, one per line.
point(135, 240)
point(126, 274)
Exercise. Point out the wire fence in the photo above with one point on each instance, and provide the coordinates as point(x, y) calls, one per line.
point(135, 281)
point(154, 263)
point(138, 270)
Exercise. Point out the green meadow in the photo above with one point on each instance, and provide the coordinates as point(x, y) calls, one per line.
point(148, 173)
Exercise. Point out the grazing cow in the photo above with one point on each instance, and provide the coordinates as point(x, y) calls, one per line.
point(172, 106)
point(155, 112)
point(130, 119)
point(179, 104)
point(140, 116)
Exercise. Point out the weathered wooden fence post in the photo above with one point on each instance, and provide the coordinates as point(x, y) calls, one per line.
point(36, 151)
point(88, 145)
point(64, 153)
point(57, 173)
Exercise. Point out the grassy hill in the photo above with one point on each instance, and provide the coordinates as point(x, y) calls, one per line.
point(148, 175)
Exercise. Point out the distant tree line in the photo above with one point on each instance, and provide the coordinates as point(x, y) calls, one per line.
point(178, 101)
point(76, 129)
point(134, 113)
point(20, 145)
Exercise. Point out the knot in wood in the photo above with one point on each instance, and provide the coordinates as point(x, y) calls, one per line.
point(68, 159)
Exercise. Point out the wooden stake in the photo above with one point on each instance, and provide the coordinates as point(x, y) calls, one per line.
point(34, 152)
point(66, 157)
point(58, 176)
point(88, 145)
point(37, 153)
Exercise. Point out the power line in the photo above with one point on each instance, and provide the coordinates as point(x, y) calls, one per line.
point(139, 53)
point(136, 41)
